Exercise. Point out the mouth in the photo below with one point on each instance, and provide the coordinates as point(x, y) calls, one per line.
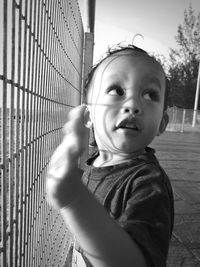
point(129, 124)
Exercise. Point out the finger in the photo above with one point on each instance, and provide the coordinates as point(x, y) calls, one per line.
point(82, 113)
point(87, 119)
point(75, 126)
point(78, 117)
point(77, 112)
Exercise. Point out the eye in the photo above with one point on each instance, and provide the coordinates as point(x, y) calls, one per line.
point(152, 95)
point(116, 91)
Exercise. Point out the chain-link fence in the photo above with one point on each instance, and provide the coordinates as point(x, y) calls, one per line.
point(183, 120)
point(40, 80)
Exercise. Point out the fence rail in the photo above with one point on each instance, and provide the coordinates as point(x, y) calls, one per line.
point(40, 81)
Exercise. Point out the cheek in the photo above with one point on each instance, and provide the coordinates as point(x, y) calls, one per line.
point(98, 115)
point(153, 118)
point(103, 118)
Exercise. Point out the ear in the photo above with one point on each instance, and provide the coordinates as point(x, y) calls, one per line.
point(163, 123)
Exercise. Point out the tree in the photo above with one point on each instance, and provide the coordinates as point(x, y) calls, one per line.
point(184, 61)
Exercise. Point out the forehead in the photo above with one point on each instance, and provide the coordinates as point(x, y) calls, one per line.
point(119, 64)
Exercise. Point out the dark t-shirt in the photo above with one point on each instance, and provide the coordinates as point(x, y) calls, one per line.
point(138, 195)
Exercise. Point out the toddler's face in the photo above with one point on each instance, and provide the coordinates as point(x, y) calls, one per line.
point(126, 100)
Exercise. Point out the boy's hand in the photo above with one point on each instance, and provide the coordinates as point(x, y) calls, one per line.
point(63, 176)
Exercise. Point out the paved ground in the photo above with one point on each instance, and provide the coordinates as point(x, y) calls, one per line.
point(179, 154)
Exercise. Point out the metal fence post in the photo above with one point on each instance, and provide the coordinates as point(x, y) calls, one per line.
point(183, 121)
point(87, 64)
point(196, 98)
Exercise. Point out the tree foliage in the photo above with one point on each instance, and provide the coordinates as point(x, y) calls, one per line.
point(184, 61)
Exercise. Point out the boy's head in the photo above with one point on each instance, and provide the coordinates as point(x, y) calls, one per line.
point(126, 97)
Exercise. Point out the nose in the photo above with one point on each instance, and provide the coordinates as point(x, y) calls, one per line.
point(132, 107)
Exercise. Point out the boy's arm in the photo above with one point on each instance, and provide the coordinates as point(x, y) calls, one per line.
point(104, 242)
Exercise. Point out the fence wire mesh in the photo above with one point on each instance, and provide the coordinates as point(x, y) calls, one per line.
point(183, 120)
point(40, 81)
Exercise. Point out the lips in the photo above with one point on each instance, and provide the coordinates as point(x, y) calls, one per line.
point(129, 124)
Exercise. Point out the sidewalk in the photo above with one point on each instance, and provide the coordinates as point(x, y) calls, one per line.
point(179, 154)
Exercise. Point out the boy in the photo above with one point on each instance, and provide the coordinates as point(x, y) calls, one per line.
point(121, 213)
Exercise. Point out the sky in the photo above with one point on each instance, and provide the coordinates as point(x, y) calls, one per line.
point(156, 20)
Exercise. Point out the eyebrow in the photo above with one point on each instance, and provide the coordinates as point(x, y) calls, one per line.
point(154, 80)
point(115, 77)
point(150, 79)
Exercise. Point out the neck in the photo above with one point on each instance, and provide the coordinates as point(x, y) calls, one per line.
point(107, 158)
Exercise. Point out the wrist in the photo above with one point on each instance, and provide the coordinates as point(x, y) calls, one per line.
point(62, 190)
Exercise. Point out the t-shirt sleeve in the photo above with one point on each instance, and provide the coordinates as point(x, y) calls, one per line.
point(148, 216)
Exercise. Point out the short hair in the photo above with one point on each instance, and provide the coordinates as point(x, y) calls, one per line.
point(118, 48)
